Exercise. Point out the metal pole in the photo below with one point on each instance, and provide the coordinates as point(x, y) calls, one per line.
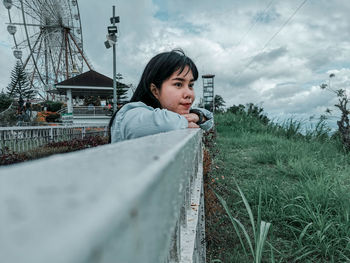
point(213, 97)
point(114, 72)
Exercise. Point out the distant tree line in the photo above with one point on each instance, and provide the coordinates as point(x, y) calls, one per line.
point(250, 110)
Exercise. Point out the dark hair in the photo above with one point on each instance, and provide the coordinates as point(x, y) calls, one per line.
point(159, 69)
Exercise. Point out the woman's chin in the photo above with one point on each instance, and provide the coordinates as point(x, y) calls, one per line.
point(182, 112)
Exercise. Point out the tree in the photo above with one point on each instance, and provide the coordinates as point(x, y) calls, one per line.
point(237, 109)
point(122, 90)
point(342, 105)
point(250, 110)
point(19, 87)
point(5, 101)
point(219, 103)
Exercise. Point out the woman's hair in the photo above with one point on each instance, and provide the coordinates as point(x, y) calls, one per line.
point(159, 69)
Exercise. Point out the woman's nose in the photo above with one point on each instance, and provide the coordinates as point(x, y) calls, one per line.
point(189, 93)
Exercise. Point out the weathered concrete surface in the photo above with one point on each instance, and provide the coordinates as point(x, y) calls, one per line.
point(113, 203)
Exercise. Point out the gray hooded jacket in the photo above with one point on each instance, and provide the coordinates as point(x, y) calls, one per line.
point(136, 119)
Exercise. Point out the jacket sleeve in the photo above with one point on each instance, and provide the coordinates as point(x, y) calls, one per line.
point(141, 121)
point(209, 124)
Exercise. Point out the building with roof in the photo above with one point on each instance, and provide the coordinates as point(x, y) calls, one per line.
point(90, 83)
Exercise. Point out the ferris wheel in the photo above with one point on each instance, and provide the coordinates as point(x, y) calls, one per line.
point(47, 36)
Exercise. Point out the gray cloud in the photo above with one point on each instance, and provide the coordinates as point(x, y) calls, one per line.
point(270, 56)
point(223, 38)
point(283, 90)
point(266, 17)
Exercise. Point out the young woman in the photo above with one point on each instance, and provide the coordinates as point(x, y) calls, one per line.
point(162, 101)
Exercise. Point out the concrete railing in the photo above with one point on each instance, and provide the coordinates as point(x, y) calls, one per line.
point(135, 201)
point(21, 139)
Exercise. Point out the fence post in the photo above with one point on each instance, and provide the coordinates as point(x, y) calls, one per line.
point(51, 134)
point(3, 140)
point(83, 131)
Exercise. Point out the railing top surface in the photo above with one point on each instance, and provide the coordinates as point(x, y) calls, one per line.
point(61, 200)
point(97, 125)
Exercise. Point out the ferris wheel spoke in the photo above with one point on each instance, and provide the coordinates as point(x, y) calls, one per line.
point(30, 7)
point(52, 6)
point(71, 53)
point(59, 58)
point(55, 10)
point(70, 12)
point(39, 52)
point(46, 61)
point(32, 51)
point(46, 8)
point(31, 25)
point(23, 43)
point(19, 8)
point(37, 58)
point(53, 63)
point(28, 40)
point(80, 51)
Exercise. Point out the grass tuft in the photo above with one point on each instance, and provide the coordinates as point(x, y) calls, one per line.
point(260, 228)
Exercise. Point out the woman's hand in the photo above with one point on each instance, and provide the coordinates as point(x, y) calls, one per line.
point(192, 125)
point(191, 117)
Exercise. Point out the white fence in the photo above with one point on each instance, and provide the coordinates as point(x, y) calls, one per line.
point(135, 201)
point(21, 139)
point(90, 110)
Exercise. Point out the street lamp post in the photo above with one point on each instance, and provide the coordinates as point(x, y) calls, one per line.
point(111, 41)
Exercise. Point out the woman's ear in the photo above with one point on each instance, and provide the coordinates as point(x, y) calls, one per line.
point(154, 91)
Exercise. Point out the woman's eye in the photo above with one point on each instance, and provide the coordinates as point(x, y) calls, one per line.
point(191, 85)
point(178, 84)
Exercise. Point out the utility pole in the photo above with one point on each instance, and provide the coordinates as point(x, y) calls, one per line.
point(114, 70)
point(111, 41)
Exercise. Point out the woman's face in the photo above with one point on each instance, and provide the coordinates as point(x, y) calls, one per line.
point(176, 93)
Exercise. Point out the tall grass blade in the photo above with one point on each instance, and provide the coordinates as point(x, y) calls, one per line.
point(302, 234)
point(233, 221)
point(272, 254)
point(249, 210)
point(258, 220)
point(264, 229)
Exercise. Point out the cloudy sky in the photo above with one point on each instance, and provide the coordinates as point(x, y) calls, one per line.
point(274, 53)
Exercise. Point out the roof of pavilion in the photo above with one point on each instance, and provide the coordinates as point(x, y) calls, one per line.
point(90, 83)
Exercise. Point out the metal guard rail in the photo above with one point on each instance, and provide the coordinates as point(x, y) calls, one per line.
point(20, 139)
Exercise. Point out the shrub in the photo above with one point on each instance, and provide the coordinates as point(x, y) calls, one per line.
point(53, 105)
point(47, 116)
point(53, 117)
point(9, 157)
point(37, 107)
point(5, 101)
point(78, 144)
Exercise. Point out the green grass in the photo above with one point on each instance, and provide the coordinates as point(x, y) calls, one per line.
point(302, 182)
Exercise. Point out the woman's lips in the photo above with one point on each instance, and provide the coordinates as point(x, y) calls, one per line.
point(186, 105)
